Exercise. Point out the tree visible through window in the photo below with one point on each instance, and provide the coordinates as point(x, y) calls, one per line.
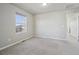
point(20, 22)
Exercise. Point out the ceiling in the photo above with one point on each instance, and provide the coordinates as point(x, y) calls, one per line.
point(36, 8)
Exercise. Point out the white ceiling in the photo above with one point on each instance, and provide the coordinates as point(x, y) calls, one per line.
point(36, 8)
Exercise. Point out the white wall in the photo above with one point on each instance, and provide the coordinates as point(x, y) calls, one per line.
point(78, 28)
point(51, 25)
point(8, 25)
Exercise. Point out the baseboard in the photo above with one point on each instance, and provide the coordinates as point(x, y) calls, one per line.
point(72, 38)
point(14, 43)
point(46, 37)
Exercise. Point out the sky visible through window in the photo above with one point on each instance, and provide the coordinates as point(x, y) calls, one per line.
point(19, 19)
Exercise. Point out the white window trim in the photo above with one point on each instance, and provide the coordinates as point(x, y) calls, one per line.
point(23, 31)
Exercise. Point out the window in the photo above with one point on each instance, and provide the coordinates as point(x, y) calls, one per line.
point(20, 22)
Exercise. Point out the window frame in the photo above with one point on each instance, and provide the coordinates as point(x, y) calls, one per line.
point(25, 24)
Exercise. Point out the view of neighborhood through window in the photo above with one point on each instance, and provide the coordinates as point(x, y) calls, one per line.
point(20, 22)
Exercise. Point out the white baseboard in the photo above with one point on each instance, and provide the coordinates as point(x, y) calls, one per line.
point(14, 43)
point(47, 37)
point(72, 38)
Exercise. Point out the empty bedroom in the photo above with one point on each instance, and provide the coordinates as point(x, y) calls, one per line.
point(39, 28)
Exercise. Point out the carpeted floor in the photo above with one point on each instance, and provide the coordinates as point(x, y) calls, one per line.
point(38, 46)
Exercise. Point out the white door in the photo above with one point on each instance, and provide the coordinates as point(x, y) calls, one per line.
point(73, 27)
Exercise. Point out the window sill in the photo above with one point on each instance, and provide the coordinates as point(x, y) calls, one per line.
point(20, 32)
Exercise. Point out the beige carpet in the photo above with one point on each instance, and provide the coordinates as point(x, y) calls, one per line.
point(38, 46)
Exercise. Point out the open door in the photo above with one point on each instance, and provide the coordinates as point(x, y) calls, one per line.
point(73, 28)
